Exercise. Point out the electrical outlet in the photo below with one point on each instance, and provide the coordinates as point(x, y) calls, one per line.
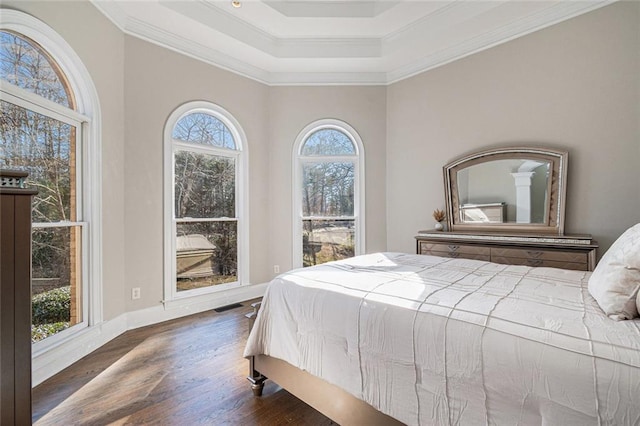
point(135, 293)
point(276, 269)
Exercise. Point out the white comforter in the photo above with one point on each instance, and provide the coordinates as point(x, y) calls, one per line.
point(435, 341)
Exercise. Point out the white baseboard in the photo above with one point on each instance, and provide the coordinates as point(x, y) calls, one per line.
point(54, 360)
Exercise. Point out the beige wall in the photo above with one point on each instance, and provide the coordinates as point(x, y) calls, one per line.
point(100, 46)
point(157, 81)
point(293, 108)
point(574, 86)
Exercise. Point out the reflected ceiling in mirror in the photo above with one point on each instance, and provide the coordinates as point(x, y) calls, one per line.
point(507, 189)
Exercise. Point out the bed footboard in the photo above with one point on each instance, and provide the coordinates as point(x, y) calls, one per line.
point(332, 401)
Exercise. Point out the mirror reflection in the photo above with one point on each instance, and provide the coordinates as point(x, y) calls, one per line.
point(504, 191)
point(507, 190)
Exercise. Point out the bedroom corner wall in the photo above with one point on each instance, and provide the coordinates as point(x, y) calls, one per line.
point(574, 86)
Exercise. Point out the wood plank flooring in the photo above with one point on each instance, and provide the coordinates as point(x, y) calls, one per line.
point(188, 371)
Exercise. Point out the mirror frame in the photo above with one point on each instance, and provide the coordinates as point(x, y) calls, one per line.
point(557, 189)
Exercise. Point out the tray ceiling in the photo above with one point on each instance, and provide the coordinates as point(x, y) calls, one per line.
point(332, 41)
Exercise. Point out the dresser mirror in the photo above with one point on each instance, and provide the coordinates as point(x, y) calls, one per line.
point(509, 190)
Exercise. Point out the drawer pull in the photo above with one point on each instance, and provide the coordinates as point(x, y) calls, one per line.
point(535, 262)
point(454, 254)
point(535, 253)
point(453, 248)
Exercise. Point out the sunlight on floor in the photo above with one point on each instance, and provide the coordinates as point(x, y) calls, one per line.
point(133, 377)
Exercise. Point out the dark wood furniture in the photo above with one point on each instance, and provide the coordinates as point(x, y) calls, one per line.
point(577, 252)
point(15, 299)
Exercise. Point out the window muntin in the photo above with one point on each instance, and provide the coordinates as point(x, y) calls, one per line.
point(328, 207)
point(205, 224)
point(26, 64)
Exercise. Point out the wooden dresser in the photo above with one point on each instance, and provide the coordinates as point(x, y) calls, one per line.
point(577, 252)
point(15, 299)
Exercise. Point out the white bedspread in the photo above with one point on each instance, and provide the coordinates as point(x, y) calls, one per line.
point(436, 341)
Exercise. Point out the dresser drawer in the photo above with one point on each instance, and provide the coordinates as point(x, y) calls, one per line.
point(460, 249)
point(546, 252)
point(457, 255)
point(540, 263)
point(559, 256)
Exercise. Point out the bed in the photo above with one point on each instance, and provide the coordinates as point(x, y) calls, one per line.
point(425, 340)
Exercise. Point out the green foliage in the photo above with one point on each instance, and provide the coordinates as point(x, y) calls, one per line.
point(53, 306)
point(42, 331)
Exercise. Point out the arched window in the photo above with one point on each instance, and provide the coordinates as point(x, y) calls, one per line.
point(328, 193)
point(205, 207)
point(49, 113)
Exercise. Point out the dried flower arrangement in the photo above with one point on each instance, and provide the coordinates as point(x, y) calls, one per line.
point(438, 215)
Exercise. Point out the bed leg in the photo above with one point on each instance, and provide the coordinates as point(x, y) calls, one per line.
point(256, 379)
point(256, 388)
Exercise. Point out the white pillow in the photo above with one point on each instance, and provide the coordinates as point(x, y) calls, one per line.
point(616, 280)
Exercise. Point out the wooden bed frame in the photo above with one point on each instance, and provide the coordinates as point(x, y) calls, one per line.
point(331, 400)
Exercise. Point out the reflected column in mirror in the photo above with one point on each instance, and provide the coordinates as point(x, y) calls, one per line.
point(509, 190)
point(504, 191)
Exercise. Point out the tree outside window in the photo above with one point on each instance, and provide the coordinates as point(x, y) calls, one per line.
point(205, 219)
point(328, 166)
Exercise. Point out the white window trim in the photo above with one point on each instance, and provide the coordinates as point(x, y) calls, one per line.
point(90, 136)
point(359, 184)
point(242, 199)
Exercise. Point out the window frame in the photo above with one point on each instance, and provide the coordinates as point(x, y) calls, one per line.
point(171, 146)
point(299, 160)
point(87, 120)
point(72, 118)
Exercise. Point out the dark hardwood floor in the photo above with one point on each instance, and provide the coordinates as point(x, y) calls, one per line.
point(188, 371)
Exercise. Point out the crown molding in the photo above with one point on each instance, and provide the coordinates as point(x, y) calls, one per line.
point(436, 19)
point(171, 41)
point(112, 11)
point(220, 20)
point(340, 50)
point(532, 23)
point(328, 79)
